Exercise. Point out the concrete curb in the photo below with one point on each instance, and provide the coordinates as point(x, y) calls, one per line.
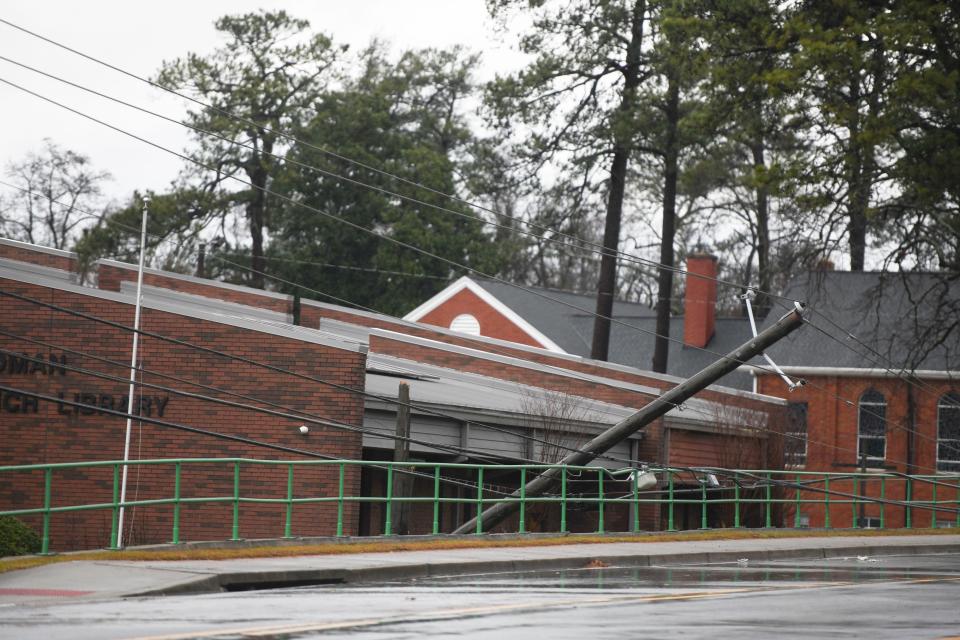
point(268, 579)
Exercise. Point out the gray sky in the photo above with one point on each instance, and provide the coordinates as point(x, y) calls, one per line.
point(139, 36)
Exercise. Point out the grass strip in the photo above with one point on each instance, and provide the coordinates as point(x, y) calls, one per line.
point(384, 545)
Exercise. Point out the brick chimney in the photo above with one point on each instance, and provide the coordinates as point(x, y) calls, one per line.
point(700, 301)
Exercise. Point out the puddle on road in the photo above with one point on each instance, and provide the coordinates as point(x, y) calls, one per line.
point(727, 575)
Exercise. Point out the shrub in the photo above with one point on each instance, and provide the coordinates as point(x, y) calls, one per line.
point(16, 538)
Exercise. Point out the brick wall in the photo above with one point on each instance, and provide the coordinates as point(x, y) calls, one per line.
point(110, 276)
point(45, 432)
point(493, 324)
point(700, 300)
point(832, 424)
point(62, 260)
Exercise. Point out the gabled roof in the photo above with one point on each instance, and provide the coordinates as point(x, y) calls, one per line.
point(553, 312)
point(567, 319)
point(466, 283)
point(904, 320)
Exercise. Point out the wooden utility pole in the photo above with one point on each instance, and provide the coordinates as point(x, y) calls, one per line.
point(655, 409)
point(201, 261)
point(401, 453)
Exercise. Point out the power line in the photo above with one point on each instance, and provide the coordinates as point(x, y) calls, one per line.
point(567, 371)
point(205, 432)
point(564, 371)
point(314, 168)
point(298, 416)
point(276, 369)
point(746, 428)
point(349, 223)
point(599, 249)
point(629, 462)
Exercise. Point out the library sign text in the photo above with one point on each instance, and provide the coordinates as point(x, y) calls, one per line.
point(54, 366)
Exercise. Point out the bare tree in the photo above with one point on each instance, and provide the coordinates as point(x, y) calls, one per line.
point(553, 418)
point(55, 194)
point(749, 439)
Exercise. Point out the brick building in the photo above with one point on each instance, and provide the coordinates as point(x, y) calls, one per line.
point(82, 363)
point(881, 395)
point(562, 322)
point(472, 396)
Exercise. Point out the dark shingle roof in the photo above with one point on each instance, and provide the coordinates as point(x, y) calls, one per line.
point(905, 319)
point(555, 319)
point(572, 330)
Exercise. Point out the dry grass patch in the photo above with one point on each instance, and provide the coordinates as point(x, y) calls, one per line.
point(396, 545)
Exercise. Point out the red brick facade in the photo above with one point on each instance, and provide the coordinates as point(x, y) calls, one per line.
point(109, 277)
point(493, 324)
point(700, 300)
point(63, 260)
point(679, 445)
point(832, 426)
point(47, 432)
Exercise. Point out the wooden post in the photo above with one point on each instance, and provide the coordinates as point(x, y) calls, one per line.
point(401, 453)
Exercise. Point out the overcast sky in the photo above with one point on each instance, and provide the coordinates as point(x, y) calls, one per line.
point(139, 36)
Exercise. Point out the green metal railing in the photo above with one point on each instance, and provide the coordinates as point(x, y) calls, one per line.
point(708, 497)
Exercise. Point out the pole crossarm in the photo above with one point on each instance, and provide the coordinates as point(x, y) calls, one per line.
point(630, 425)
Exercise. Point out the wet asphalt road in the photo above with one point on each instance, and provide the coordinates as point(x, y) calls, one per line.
point(885, 597)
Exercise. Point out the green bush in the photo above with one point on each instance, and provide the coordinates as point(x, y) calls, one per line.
point(16, 538)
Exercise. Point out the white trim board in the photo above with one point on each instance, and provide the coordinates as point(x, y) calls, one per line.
point(466, 283)
point(38, 248)
point(857, 372)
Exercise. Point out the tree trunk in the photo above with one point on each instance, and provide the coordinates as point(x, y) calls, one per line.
point(764, 276)
point(258, 172)
point(862, 155)
point(618, 178)
point(665, 275)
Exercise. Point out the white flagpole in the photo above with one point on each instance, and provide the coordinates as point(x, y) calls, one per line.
point(133, 370)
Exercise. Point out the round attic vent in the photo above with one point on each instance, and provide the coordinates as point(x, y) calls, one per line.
point(466, 323)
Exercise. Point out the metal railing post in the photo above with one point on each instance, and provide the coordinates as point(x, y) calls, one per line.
point(600, 501)
point(563, 499)
point(909, 496)
point(768, 520)
point(176, 502)
point(236, 501)
point(47, 482)
point(388, 519)
point(703, 506)
point(826, 502)
point(115, 516)
point(796, 510)
point(288, 517)
point(958, 504)
point(341, 475)
point(479, 500)
point(436, 500)
point(856, 488)
point(883, 505)
point(670, 526)
point(933, 514)
point(736, 502)
point(523, 500)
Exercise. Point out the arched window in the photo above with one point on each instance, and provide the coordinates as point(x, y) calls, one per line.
point(872, 428)
point(466, 323)
point(948, 432)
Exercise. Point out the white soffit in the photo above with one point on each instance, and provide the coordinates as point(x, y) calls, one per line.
point(466, 283)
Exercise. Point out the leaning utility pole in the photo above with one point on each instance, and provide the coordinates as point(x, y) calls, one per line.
point(628, 426)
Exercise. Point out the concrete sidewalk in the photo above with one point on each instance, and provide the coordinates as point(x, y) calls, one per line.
point(96, 580)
